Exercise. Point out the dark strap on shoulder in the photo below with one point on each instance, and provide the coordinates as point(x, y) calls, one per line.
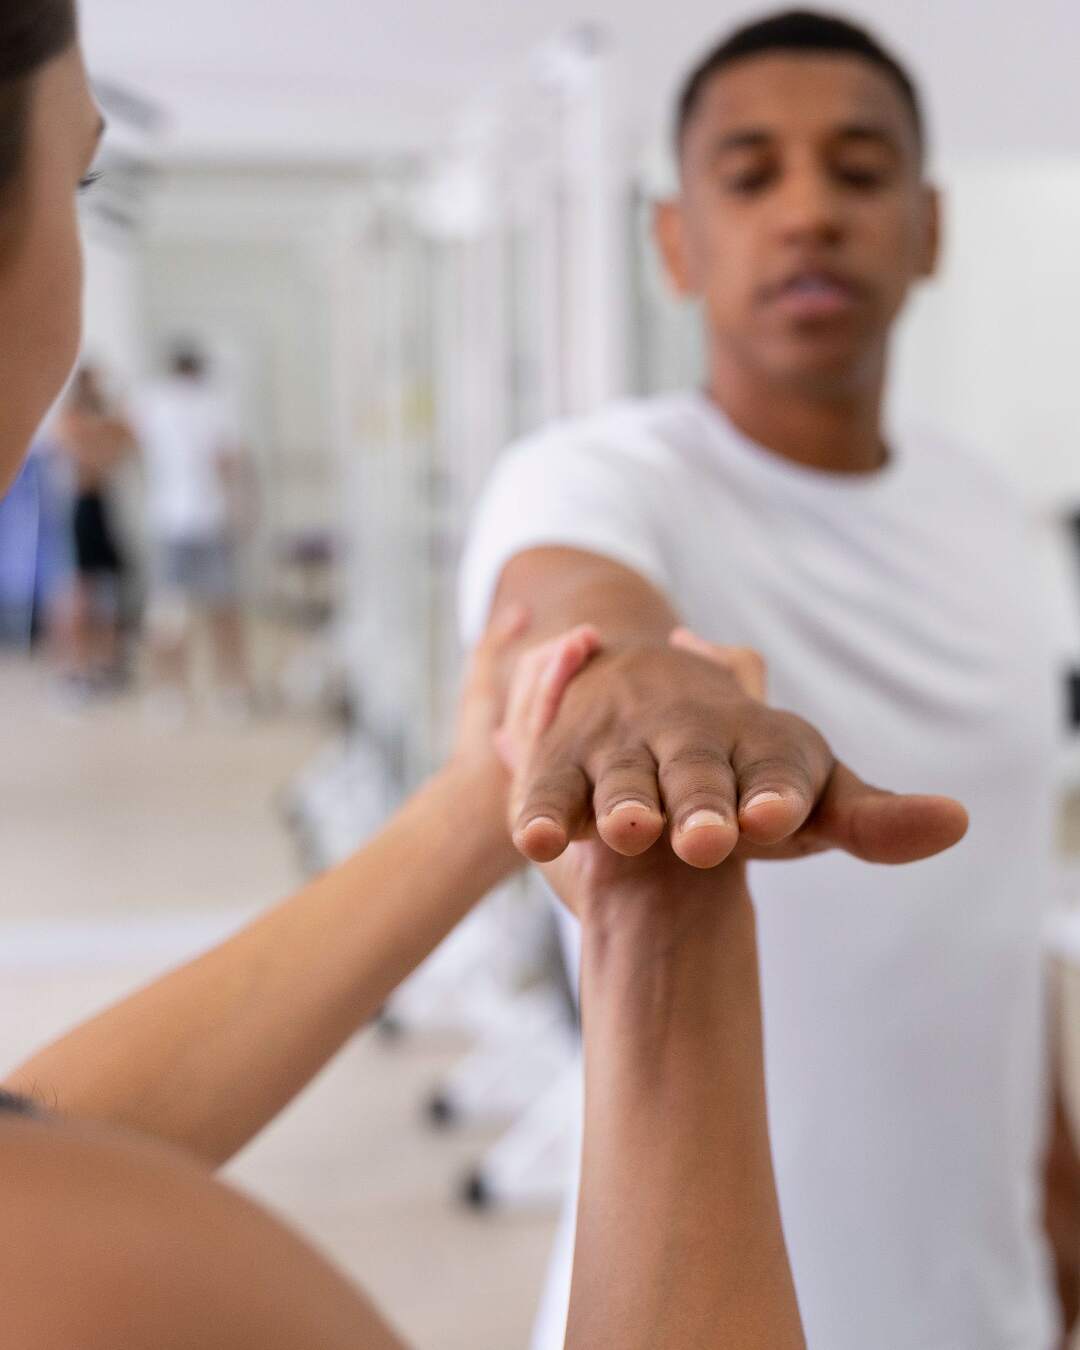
point(20, 1106)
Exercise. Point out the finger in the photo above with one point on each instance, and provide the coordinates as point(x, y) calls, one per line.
point(553, 810)
point(522, 696)
point(747, 665)
point(540, 680)
point(698, 789)
point(626, 801)
point(571, 654)
point(884, 827)
point(780, 777)
point(506, 749)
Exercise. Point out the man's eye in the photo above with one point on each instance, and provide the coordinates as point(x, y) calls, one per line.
point(746, 184)
point(863, 179)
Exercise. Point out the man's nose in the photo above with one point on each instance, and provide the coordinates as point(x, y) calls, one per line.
point(809, 207)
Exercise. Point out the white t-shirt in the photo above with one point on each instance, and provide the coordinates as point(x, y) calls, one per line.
point(185, 427)
point(903, 1017)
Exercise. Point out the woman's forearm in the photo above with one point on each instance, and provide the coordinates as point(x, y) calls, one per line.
point(679, 1236)
point(208, 1054)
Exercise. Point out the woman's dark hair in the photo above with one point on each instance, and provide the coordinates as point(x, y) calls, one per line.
point(32, 32)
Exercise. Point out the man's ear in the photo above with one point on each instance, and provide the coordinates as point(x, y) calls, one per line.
point(933, 228)
point(669, 230)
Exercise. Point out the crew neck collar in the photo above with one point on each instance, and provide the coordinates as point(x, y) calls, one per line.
point(802, 476)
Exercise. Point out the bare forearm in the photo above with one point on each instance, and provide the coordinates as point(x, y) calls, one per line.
point(208, 1054)
point(565, 587)
point(679, 1235)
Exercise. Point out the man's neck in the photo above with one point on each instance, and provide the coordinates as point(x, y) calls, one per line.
point(835, 430)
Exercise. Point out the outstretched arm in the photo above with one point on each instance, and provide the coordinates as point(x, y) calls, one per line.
point(654, 740)
point(679, 1242)
point(209, 1054)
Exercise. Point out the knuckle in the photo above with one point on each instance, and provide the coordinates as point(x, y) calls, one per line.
point(625, 763)
point(783, 735)
point(799, 729)
point(696, 757)
point(553, 790)
point(776, 768)
point(686, 798)
point(702, 786)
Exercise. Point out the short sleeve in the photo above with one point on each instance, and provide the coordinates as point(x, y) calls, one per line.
point(559, 490)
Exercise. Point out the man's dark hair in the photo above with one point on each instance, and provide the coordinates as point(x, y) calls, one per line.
point(32, 32)
point(796, 30)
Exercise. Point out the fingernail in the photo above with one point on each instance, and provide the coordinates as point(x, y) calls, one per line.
point(760, 798)
point(543, 820)
point(629, 805)
point(700, 820)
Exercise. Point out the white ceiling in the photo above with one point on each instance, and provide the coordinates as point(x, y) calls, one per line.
point(345, 77)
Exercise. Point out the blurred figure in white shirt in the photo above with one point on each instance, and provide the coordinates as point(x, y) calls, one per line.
point(199, 500)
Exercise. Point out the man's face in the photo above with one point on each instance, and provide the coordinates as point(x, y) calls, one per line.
point(803, 218)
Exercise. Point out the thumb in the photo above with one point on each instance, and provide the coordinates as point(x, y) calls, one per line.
point(885, 827)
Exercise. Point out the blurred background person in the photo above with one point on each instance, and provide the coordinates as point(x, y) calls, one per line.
point(96, 441)
point(200, 502)
point(18, 547)
point(37, 555)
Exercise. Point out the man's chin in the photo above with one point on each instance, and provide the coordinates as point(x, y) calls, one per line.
point(828, 365)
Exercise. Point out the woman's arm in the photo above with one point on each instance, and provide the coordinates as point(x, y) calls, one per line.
point(209, 1054)
point(679, 1243)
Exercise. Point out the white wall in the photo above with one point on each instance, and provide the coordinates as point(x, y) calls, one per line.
point(990, 352)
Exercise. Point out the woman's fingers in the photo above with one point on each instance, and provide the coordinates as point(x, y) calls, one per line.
point(481, 707)
point(540, 680)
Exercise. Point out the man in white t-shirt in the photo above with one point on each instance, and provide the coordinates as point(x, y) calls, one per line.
point(196, 497)
point(888, 586)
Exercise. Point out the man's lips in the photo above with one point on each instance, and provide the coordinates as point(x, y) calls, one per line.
point(815, 294)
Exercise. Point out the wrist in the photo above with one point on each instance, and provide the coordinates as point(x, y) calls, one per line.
point(661, 976)
point(661, 911)
point(479, 769)
point(473, 790)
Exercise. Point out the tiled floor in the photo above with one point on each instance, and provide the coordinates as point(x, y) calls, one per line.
point(124, 846)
